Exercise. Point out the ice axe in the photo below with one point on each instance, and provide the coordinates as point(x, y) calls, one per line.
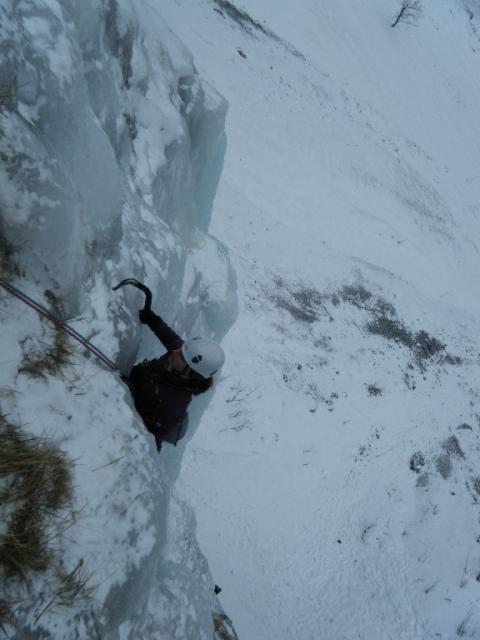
point(142, 287)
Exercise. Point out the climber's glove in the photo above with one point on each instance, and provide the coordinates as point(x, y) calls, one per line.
point(145, 315)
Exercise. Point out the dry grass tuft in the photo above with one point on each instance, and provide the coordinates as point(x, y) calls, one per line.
point(35, 509)
point(73, 586)
point(7, 250)
point(223, 627)
point(35, 483)
point(54, 357)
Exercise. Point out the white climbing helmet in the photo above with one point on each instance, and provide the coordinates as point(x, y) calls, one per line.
point(203, 356)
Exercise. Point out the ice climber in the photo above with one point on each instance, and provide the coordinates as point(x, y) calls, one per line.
point(163, 388)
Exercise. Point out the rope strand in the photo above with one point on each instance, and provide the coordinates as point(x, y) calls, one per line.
point(58, 323)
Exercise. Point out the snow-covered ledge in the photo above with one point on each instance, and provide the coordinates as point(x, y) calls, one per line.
point(111, 151)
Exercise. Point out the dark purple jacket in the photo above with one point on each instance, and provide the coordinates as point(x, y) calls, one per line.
point(160, 393)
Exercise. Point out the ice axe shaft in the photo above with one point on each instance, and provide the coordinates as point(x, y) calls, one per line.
point(139, 285)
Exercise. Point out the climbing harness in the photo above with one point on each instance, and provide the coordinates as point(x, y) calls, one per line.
point(58, 323)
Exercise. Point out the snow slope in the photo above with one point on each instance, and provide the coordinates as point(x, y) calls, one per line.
point(335, 477)
point(111, 150)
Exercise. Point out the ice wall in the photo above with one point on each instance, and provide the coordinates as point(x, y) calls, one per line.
point(111, 148)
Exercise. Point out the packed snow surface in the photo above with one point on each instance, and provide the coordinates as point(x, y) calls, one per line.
point(335, 477)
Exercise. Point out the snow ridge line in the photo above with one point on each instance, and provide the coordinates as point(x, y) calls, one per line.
point(58, 323)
